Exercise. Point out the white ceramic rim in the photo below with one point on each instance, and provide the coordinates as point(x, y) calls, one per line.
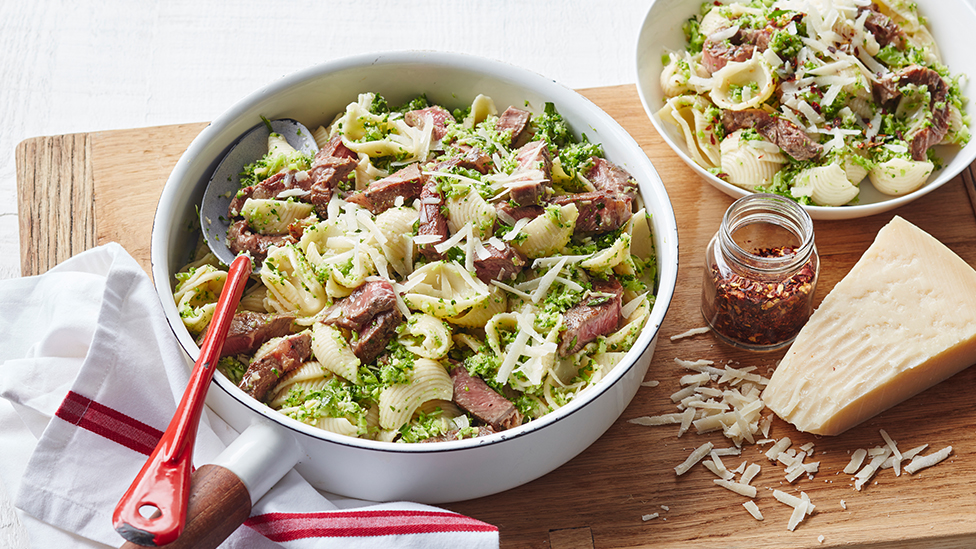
point(651, 186)
point(647, 47)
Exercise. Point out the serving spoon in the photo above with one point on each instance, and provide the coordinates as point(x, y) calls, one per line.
point(226, 179)
point(153, 510)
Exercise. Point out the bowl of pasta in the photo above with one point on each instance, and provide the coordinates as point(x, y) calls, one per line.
point(850, 107)
point(460, 286)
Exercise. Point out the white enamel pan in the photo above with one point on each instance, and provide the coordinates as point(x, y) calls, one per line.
point(270, 443)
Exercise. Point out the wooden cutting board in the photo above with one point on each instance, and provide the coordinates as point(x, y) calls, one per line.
point(80, 190)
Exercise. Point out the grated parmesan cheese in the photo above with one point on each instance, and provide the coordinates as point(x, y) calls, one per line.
point(738, 488)
point(750, 473)
point(693, 458)
point(691, 332)
point(664, 419)
point(921, 462)
point(753, 509)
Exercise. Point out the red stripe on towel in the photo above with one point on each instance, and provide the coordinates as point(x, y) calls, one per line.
point(135, 435)
point(293, 526)
point(111, 424)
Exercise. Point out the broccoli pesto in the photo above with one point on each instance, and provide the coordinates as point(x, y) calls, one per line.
point(436, 272)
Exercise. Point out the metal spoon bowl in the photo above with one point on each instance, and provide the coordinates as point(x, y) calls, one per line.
point(226, 179)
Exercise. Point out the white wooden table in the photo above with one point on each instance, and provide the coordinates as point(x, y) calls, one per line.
point(70, 67)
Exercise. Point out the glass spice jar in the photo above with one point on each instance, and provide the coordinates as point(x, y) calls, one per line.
point(761, 270)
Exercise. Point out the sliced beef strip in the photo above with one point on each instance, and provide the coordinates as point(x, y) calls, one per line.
point(888, 90)
point(336, 149)
point(607, 176)
point(375, 335)
point(365, 302)
point(740, 47)
point(241, 239)
point(440, 117)
point(502, 264)
point(779, 131)
point(381, 195)
point(249, 330)
point(297, 228)
point(533, 181)
point(597, 315)
point(273, 360)
point(327, 172)
point(432, 220)
point(474, 159)
point(885, 30)
point(483, 431)
point(467, 157)
point(509, 214)
point(599, 212)
point(515, 121)
point(474, 396)
point(371, 312)
point(331, 164)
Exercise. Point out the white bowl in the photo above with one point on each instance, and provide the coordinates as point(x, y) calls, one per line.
point(436, 472)
point(950, 21)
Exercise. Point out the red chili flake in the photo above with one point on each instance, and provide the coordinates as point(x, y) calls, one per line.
point(760, 312)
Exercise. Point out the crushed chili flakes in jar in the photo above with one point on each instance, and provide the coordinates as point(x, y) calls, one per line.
point(761, 273)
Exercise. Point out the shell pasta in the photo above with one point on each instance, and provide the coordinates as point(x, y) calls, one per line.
point(432, 274)
point(773, 95)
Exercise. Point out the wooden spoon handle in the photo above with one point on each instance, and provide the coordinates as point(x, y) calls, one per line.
point(218, 504)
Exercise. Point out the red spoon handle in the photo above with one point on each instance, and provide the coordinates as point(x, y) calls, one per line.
point(162, 486)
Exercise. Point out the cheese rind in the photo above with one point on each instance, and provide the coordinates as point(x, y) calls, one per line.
point(901, 321)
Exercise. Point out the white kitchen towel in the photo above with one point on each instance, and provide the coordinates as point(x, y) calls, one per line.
point(93, 369)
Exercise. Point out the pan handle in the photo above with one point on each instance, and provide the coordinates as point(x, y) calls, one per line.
point(217, 505)
point(222, 493)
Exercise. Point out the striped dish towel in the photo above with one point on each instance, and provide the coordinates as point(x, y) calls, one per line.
point(94, 371)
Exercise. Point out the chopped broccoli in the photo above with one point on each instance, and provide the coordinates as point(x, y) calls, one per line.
point(578, 156)
point(693, 35)
point(785, 45)
point(551, 126)
point(233, 368)
point(280, 156)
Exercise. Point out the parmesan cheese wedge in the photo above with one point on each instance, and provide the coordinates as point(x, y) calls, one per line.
point(903, 320)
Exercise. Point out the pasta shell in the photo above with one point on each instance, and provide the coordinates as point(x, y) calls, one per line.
point(428, 380)
point(478, 315)
point(196, 297)
point(293, 285)
point(743, 85)
point(825, 185)
point(333, 352)
point(752, 163)
point(426, 336)
point(900, 176)
point(470, 208)
point(443, 289)
point(267, 216)
point(481, 108)
point(307, 378)
point(549, 233)
point(687, 112)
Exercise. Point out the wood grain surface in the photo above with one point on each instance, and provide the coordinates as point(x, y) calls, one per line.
point(599, 498)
